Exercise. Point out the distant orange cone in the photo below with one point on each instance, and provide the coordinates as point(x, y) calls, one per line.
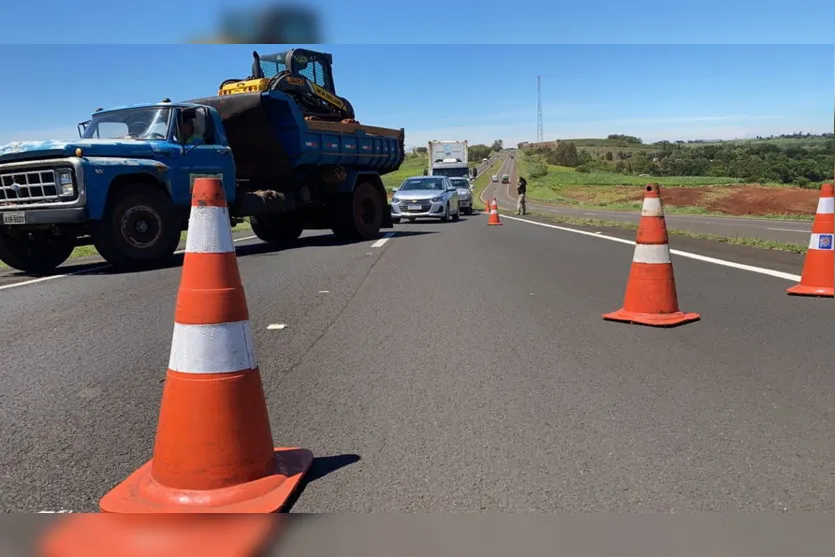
point(487, 206)
point(494, 214)
point(651, 297)
point(213, 451)
point(818, 278)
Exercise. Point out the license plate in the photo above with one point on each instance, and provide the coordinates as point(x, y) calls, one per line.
point(14, 218)
point(415, 207)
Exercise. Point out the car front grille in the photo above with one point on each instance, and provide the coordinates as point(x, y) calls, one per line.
point(424, 206)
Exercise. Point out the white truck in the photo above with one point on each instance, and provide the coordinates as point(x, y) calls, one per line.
point(449, 158)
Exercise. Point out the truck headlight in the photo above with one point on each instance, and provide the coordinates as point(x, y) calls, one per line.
point(64, 179)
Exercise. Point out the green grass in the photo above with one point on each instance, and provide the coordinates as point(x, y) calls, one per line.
point(483, 180)
point(606, 190)
point(414, 165)
point(736, 240)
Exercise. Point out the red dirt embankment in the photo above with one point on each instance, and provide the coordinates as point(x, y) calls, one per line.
point(741, 199)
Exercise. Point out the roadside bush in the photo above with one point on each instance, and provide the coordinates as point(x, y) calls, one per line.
point(538, 171)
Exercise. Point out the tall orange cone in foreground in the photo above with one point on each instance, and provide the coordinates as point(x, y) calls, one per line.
point(818, 278)
point(651, 297)
point(213, 450)
point(494, 214)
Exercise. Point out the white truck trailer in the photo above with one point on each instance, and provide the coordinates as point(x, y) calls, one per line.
point(448, 158)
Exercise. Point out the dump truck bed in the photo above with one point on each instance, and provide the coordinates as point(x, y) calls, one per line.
point(270, 139)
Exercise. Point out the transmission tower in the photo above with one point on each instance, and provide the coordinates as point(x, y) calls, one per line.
point(540, 135)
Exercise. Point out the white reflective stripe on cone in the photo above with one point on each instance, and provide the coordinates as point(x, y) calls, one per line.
point(652, 207)
point(216, 348)
point(209, 231)
point(815, 241)
point(651, 253)
point(826, 205)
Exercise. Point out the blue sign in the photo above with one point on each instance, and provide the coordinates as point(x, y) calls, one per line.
point(825, 241)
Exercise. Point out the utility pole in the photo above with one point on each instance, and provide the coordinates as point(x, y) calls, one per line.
point(540, 135)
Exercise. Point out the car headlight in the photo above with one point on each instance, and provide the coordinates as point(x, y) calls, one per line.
point(438, 199)
point(64, 183)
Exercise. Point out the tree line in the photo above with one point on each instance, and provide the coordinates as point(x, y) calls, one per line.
point(802, 164)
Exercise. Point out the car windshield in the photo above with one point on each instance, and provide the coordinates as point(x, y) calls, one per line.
point(435, 184)
point(460, 183)
point(136, 123)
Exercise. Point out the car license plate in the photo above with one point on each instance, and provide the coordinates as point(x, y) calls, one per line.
point(415, 207)
point(14, 218)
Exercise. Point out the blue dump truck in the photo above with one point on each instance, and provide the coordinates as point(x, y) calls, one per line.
point(289, 154)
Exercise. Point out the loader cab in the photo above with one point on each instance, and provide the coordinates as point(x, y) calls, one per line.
point(314, 66)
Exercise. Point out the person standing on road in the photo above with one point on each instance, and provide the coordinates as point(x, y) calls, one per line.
point(521, 190)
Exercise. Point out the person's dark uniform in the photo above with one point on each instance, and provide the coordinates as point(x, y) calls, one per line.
point(521, 190)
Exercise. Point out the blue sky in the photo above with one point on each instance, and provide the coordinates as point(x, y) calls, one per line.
point(474, 92)
point(461, 21)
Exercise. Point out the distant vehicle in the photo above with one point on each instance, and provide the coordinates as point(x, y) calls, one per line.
point(495, 178)
point(505, 179)
point(449, 158)
point(425, 197)
point(465, 194)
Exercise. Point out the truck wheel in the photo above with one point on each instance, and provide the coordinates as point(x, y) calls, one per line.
point(277, 230)
point(140, 228)
point(33, 253)
point(363, 214)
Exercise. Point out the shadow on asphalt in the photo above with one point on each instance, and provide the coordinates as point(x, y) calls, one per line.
point(321, 467)
point(261, 248)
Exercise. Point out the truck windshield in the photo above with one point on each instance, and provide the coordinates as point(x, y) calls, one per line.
point(461, 172)
point(135, 123)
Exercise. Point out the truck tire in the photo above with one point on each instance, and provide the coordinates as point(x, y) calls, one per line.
point(361, 217)
point(277, 230)
point(34, 254)
point(140, 229)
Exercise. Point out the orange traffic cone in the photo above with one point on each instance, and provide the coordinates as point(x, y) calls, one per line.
point(494, 214)
point(818, 278)
point(213, 450)
point(651, 297)
point(487, 206)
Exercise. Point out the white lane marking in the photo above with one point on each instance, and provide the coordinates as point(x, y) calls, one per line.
point(324, 291)
point(696, 256)
point(276, 326)
point(90, 270)
point(381, 242)
point(788, 230)
point(60, 511)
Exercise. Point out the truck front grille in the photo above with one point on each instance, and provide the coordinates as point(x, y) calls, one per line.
point(28, 187)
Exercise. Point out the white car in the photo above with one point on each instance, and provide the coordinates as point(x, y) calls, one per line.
point(495, 178)
point(425, 197)
point(465, 194)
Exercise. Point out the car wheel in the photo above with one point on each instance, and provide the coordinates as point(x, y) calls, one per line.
point(445, 217)
point(457, 216)
point(395, 220)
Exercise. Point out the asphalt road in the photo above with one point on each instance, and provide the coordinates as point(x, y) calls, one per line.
point(453, 367)
point(786, 231)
